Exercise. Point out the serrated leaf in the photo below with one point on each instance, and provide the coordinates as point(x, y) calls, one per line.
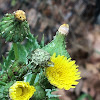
point(57, 45)
point(30, 78)
point(49, 93)
point(31, 43)
point(21, 53)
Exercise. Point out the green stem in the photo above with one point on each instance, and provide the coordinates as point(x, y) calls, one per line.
point(15, 51)
point(2, 83)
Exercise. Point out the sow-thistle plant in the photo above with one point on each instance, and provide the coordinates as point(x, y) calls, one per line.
point(31, 71)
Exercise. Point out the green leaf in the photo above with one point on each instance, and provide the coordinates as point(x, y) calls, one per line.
point(42, 41)
point(49, 93)
point(1, 95)
point(40, 94)
point(7, 61)
point(20, 53)
point(30, 78)
point(57, 45)
point(2, 83)
point(11, 55)
point(31, 43)
point(83, 96)
point(55, 98)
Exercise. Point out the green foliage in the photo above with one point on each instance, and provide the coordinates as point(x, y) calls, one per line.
point(12, 29)
point(39, 94)
point(4, 91)
point(57, 45)
point(19, 55)
point(42, 42)
point(51, 96)
point(42, 80)
point(21, 51)
point(31, 43)
point(83, 96)
point(27, 60)
point(53, 99)
point(30, 78)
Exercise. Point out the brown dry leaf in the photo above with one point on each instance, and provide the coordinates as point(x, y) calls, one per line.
point(92, 85)
point(32, 17)
point(85, 87)
point(97, 86)
point(44, 24)
point(88, 88)
point(3, 5)
point(78, 88)
point(94, 40)
point(63, 95)
point(84, 72)
point(92, 67)
point(47, 11)
point(97, 97)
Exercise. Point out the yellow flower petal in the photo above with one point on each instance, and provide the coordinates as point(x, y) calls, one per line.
point(21, 91)
point(64, 74)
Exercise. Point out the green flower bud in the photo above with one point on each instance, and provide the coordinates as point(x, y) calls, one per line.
point(14, 27)
point(64, 29)
point(40, 57)
point(58, 44)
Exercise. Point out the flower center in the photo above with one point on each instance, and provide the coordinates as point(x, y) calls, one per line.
point(59, 73)
point(19, 91)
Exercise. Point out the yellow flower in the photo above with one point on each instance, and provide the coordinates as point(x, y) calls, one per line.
point(21, 91)
point(20, 15)
point(64, 74)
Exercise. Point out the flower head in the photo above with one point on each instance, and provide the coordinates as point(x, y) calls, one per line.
point(64, 73)
point(20, 15)
point(21, 91)
point(14, 27)
point(64, 29)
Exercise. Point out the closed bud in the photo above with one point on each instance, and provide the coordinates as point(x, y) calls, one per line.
point(64, 29)
point(40, 57)
point(14, 27)
point(20, 15)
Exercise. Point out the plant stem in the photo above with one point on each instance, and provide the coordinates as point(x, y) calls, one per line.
point(15, 51)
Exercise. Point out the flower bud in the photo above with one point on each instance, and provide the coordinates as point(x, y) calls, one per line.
point(64, 29)
point(14, 27)
point(40, 57)
point(58, 44)
point(20, 15)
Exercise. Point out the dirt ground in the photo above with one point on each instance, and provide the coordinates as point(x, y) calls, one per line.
point(83, 40)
